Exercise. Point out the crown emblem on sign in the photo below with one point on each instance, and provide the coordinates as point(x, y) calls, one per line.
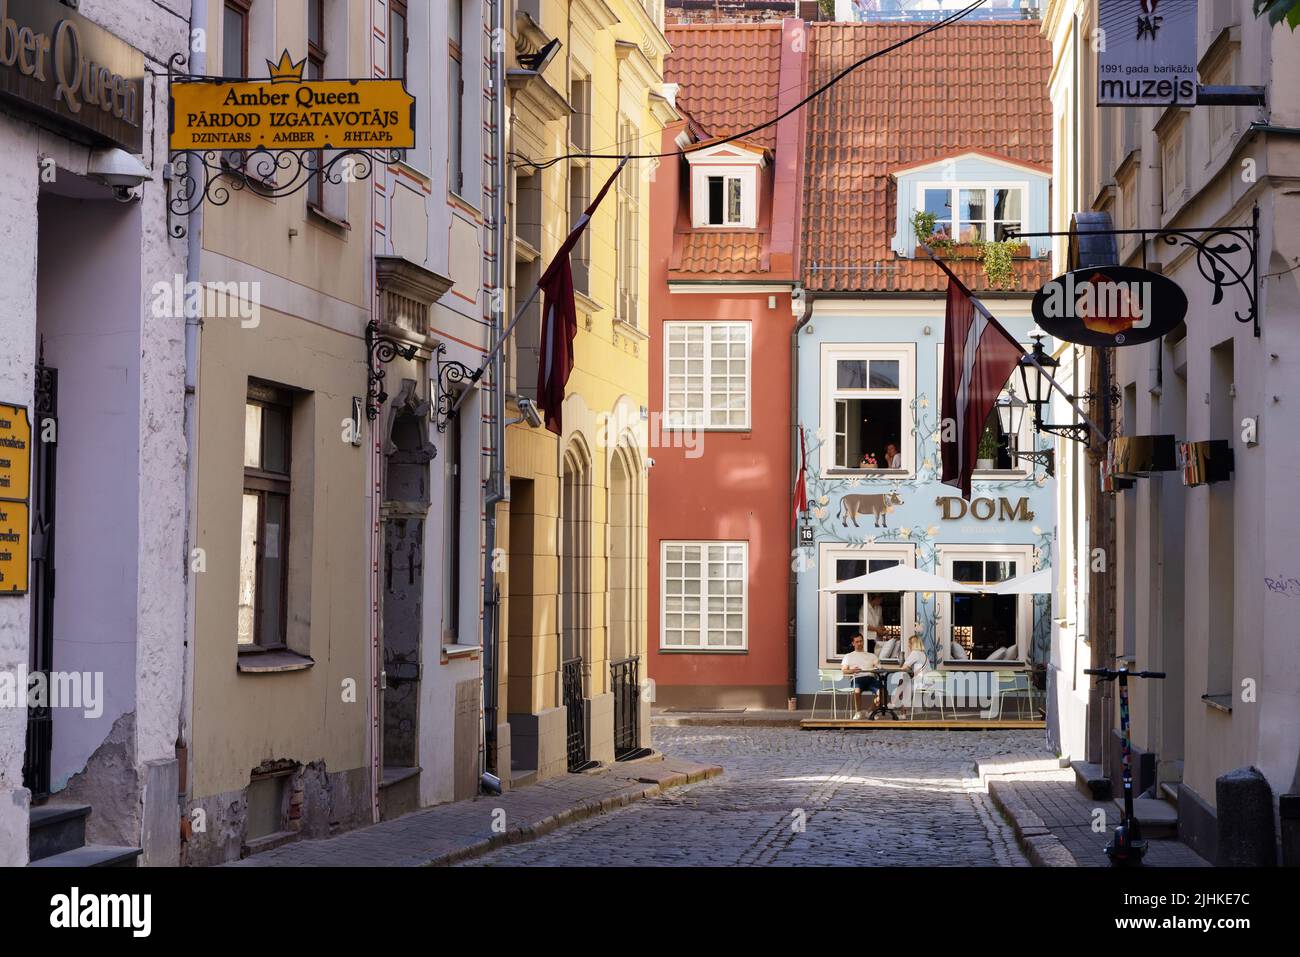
point(286, 71)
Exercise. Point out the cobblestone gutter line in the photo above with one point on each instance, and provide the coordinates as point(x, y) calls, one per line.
point(654, 784)
point(1040, 845)
point(450, 833)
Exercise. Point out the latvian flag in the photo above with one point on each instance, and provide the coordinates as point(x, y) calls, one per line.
point(801, 484)
point(978, 358)
point(560, 318)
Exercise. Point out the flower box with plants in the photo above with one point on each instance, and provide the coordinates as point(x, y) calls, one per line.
point(997, 257)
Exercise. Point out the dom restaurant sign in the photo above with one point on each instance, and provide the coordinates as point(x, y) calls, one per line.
point(60, 65)
point(287, 112)
point(1110, 306)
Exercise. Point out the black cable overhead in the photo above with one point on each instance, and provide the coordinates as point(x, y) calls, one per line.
point(547, 164)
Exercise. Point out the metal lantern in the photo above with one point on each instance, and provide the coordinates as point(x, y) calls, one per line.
point(1037, 387)
point(1011, 412)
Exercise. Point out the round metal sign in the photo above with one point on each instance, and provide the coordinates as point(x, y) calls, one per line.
point(1109, 306)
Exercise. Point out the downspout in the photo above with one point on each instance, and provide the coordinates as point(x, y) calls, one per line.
point(792, 636)
point(193, 323)
point(489, 773)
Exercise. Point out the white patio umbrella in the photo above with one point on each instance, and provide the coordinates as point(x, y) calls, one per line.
point(1035, 583)
point(901, 578)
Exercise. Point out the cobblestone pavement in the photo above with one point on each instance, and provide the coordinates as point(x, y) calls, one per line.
point(863, 798)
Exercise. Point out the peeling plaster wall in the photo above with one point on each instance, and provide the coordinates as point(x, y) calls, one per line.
point(18, 187)
point(153, 558)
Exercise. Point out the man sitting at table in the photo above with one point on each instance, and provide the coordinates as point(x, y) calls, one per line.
point(858, 664)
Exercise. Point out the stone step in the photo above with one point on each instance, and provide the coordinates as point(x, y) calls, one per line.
point(56, 828)
point(91, 855)
point(1155, 816)
point(1091, 780)
point(1169, 792)
point(520, 778)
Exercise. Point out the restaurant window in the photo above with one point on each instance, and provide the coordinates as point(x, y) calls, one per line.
point(707, 374)
point(456, 97)
point(316, 71)
point(704, 595)
point(849, 613)
point(234, 38)
point(868, 393)
point(399, 42)
point(264, 524)
point(984, 624)
point(968, 214)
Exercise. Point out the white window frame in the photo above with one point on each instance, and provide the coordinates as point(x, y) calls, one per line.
point(707, 412)
point(1025, 439)
point(748, 177)
point(703, 544)
point(1022, 555)
point(1173, 159)
point(905, 354)
point(954, 188)
point(828, 554)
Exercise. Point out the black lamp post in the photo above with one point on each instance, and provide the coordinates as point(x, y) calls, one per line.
point(1038, 393)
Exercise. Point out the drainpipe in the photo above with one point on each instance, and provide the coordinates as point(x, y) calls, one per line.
point(489, 773)
point(193, 323)
point(792, 635)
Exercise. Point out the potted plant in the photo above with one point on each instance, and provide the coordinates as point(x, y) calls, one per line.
point(986, 457)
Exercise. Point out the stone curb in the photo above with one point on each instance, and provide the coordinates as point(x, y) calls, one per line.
point(522, 833)
point(1040, 845)
point(721, 721)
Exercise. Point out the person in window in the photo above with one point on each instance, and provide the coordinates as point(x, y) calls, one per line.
point(875, 627)
point(893, 460)
point(858, 665)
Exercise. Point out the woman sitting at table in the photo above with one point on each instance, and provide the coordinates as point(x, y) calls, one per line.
point(915, 665)
point(859, 664)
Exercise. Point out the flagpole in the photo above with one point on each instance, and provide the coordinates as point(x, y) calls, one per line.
point(519, 313)
point(983, 310)
point(505, 337)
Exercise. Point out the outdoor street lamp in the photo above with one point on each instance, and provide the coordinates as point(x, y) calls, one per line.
point(1011, 416)
point(1038, 394)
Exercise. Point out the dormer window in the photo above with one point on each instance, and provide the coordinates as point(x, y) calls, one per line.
point(724, 185)
point(975, 197)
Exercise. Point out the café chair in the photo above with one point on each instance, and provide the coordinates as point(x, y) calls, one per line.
point(829, 683)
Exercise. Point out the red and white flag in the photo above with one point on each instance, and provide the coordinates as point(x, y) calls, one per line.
point(560, 318)
point(978, 359)
point(801, 483)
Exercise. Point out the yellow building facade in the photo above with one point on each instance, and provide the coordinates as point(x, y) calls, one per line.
point(570, 681)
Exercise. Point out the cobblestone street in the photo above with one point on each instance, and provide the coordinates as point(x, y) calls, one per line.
point(863, 798)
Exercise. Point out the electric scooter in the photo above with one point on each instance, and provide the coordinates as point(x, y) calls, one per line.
point(1126, 848)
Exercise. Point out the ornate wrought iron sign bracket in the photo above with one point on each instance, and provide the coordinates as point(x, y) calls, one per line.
point(1226, 256)
point(379, 350)
point(448, 373)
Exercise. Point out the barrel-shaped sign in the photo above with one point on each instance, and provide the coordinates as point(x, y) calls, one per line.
point(1109, 306)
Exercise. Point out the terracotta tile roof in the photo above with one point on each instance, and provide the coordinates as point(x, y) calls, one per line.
point(969, 86)
point(708, 254)
point(729, 75)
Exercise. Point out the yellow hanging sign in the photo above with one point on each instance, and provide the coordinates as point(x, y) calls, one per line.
point(15, 452)
point(288, 112)
point(15, 535)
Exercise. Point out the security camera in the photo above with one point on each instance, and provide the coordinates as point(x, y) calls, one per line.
point(528, 409)
point(117, 169)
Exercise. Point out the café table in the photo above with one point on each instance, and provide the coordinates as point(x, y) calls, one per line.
point(883, 672)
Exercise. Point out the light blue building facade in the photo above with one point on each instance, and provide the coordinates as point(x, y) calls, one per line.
point(868, 401)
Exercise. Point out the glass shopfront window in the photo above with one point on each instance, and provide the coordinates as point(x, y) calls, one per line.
point(984, 624)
